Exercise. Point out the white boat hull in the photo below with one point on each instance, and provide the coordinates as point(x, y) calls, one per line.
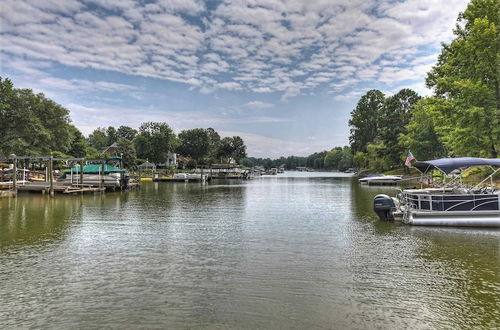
point(455, 219)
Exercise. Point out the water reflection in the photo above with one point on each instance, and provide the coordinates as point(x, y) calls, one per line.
point(32, 219)
point(301, 250)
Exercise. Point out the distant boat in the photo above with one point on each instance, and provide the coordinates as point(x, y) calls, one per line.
point(380, 179)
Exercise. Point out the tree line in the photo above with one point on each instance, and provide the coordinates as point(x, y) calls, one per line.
point(339, 158)
point(31, 124)
point(461, 118)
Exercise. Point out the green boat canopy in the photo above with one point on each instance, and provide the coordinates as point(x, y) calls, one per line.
point(93, 169)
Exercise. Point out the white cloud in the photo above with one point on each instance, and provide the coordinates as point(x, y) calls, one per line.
point(258, 105)
point(263, 46)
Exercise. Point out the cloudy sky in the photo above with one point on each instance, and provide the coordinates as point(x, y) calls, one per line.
point(283, 74)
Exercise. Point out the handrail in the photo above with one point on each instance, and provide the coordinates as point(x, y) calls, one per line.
point(414, 201)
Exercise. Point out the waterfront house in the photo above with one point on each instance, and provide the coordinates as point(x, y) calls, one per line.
point(112, 150)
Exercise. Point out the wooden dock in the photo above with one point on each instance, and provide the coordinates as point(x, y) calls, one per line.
point(160, 179)
point(44, 187)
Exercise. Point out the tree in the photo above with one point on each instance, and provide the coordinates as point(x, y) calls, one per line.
point(78, 146)
point(225, 148)
point(98, 139)
point(154, 141)
point(214, 139)
point(232, 147)
point(396, 115)
point(194, 143)
point(127, 151)
point(239, 149)
point(365, 119)
point(126, 132)
point(339, 158)
point(421, 137)
point(332, 158)
point(30, 123)
point(111, 135)
point(466, 82)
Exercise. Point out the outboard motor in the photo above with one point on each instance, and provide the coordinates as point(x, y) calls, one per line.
point(384, 206)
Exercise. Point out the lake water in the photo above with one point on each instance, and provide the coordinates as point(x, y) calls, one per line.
point(299, 250)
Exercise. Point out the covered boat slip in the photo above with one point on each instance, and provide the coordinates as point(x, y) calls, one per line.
point(101, 175)
point(97, 176)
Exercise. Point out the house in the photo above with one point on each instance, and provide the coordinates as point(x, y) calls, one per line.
point(112, 150)
point(171, 159)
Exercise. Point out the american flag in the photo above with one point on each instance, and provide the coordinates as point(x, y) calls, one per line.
point(409, 158)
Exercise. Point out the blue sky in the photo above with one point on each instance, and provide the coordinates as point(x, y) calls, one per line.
point(282, 74)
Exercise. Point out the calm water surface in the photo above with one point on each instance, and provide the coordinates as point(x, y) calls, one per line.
point(299, 250)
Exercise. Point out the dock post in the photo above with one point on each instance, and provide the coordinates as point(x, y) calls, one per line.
point(102, 173)
point(14, 174)
point(81, 175)
point(51, 176)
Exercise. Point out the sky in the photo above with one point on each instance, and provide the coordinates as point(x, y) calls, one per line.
point(282, 74)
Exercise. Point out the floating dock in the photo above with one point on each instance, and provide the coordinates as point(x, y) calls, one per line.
point(171, 179)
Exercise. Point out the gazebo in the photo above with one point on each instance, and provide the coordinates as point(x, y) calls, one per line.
point(147, 165)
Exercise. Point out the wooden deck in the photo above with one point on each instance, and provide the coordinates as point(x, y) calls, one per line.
point(44, 187)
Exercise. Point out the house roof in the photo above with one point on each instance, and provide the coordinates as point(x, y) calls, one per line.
point(147, 165)
point(114, 145)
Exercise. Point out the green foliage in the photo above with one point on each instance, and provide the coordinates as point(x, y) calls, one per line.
point(365, 119)
point(316, 160)
point(339, 158)
point(421, 137)
point(126, 132)
point(194, 143)
point(466, 83)
point(127, 151)
point(93, 153)
point(214, 139)
point(59, 164)
point(78, 146)
point(224, 149)
point(376, 158)
point(239, 149)
point(98, 139)
point(111, 135)
point(231, 147)
point(376, 125)
point(154, 141)
point(396, 115)
point(360, 160)
point(30, 123)
point(191, 164)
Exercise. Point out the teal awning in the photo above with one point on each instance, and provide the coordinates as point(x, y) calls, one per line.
point(95, 169)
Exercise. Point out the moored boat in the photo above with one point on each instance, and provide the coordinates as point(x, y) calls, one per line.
point(452, 204)
point(380, 179)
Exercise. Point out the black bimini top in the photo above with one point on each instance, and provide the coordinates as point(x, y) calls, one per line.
point(447, 165)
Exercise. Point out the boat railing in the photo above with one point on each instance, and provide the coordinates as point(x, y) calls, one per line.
point(444, 203)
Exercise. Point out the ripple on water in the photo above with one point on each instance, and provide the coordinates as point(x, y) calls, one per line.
point(295, 251)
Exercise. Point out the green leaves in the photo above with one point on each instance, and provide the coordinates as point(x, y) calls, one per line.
point(466, 78)
point(154, 141)
point(365, 119)
point(194, 143)
point(31, 123)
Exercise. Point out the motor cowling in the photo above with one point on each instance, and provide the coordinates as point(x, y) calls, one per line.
point(384, 206)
